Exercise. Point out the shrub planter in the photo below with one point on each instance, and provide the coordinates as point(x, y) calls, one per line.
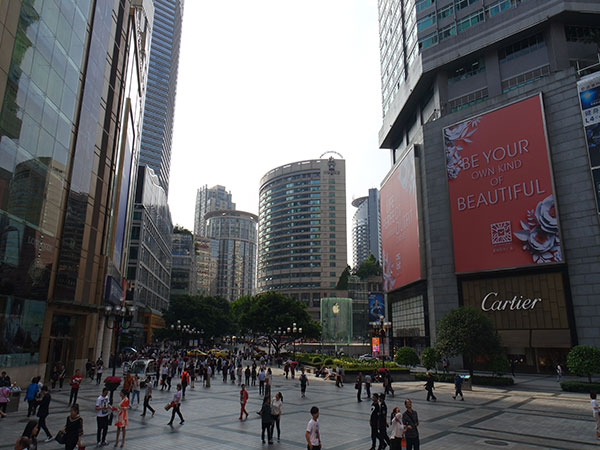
point(398, 374)
point(579, 386)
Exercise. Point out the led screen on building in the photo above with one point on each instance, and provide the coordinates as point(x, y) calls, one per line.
point(376, 306)
point(500, 186)
point(589, 97)
point(400, 225)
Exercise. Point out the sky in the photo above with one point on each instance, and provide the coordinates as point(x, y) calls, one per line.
point(269, 82)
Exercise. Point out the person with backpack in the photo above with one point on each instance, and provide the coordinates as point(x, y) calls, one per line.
point(458, 382)
point(31, 396)
point(303, 383)
point(266, 420)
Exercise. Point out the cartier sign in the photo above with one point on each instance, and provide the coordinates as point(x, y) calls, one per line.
point(493, 302)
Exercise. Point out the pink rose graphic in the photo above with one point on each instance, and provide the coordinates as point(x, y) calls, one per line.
point(454, 139)
point(540, 233)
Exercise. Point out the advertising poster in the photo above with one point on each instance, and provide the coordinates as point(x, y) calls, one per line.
point(401, 252)
point(589, 98)
point(500, 184)
point(376, 307)
point(375, 345)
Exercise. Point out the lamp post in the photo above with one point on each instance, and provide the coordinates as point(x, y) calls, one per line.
point(121, 316)
point(294, 331)
point(379, 330)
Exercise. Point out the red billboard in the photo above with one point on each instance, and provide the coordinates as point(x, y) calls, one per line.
point(400, 225)
point(500, 185)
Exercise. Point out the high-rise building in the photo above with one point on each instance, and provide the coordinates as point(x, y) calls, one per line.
point(366, 228)
point(149, 268)
point(183, 265)
point(72, 88)
point(216, 198)
point(302, 230)
point(233, 241)
point(492, 198)
point(157, 133)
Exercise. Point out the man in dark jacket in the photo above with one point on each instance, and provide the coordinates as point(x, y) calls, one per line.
point(43, 411)
point(410, 419)
point(374, 423)
point(429, 387)
point(383, 424)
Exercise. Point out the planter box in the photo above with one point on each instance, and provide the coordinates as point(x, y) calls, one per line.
point(13, 405)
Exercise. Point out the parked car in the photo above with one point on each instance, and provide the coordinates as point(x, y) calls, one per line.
point(366, 357)
point(143, 368)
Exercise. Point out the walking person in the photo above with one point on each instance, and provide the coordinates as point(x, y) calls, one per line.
point(99, 370)
point(253, 375)
point(374, 423)
point(176, 406)
point(147, 398)
point(54, 377)
point(243, 401)
point(247, 373)
point(4, 399)
point(368, 384)
point(303, 383)
point(397, 429)
point(595, 412)
point(240, 369)
point(185, 380)
point(261, 381)
point(266, 420)
point(429, 387)
point(410, 419)
point(135, 390)
point(559, 373)
point(383, 424)
point(73, 428)
point(31, 396)
point(458, 382)
point(44, 411)
point(313, 434)
point(103, 409)
point(76, 380)
point(276, 408)
point(446, 365)
point(358, 386)
point(127, 384)
point(122, 417)
point(62, 372)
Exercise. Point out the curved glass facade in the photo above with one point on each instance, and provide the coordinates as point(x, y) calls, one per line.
point(302, 229)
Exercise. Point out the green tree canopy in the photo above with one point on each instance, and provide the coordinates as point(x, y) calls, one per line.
point(430, 358)
point(211, 314)
point(342, 283)
point(178, 229)
point(584, 360)
point(267, 312)
point(469, 332)
point(368, 267)
point(407, 356)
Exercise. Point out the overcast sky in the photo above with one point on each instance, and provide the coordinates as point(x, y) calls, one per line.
point(268, 82)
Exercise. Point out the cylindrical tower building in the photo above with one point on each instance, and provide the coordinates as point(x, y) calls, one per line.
point(302, 230)
point(233, 246)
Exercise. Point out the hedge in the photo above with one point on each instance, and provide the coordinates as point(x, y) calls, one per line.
point(579, 386)
point(480, 380)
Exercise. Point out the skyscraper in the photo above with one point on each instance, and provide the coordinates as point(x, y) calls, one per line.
point(302, 230)
point(233, 242)
point(157, 134)
point(484, 108)
point(74, 86)
point(366, 228)
point(216, 198)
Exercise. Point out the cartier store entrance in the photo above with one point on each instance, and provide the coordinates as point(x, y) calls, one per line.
point(531, 316)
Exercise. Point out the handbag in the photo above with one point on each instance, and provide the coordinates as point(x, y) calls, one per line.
point(60, 437)
point(356, 385)
point(168, 406)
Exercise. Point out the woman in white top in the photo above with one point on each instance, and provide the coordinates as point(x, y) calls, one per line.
point(276, 406)
point(397, 429)
point(596, 412)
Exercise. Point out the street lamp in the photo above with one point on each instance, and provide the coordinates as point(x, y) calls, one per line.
point(122, 316)
point(294, 331)
point(379, 330)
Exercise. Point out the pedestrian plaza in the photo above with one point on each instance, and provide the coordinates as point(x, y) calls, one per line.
point(532, 414)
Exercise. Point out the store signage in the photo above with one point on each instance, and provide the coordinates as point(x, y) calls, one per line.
point(400, 240)
point(375, 345)
point(502, 200)
point(491, 302)
point(589, 98)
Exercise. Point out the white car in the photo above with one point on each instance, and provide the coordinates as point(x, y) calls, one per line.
point(365, 357)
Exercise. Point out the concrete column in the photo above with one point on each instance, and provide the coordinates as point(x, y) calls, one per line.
point(100, 337)
point(492, 73)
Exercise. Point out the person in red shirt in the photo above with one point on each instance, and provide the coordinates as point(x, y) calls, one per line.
point(243, 401)
point(75, 382)
point(185, 380)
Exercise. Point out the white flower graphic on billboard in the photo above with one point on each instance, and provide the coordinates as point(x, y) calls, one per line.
point(540, 233)
point(454, 139)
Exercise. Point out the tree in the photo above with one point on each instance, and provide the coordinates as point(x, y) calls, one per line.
point(268, 312)
point(430, 358)
point(342, 283)
point(178, 229)
point(211, 314)
point(584, 360)
point(499, 365)
point(407, 356)
point(368, 267)
point(467, 331)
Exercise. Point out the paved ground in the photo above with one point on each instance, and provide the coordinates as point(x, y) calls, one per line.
point(534, 414)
